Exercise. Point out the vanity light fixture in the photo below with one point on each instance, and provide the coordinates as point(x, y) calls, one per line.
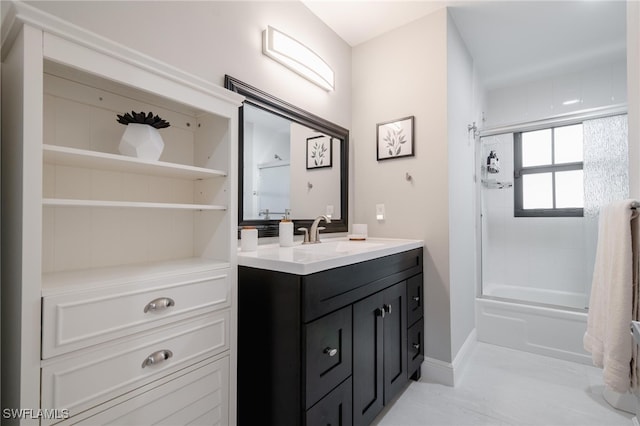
point(297, 57)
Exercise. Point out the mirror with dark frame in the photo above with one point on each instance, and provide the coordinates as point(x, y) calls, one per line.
point(291, 162)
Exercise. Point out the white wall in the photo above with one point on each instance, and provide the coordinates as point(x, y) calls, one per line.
point(214, 38)
point(403, 73)
point(633, 91)
point(462, 110)
point(598, 86)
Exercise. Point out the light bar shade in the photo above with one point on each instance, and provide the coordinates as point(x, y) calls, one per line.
point(297, 57)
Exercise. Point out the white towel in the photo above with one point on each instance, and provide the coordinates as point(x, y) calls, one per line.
point(610, 306)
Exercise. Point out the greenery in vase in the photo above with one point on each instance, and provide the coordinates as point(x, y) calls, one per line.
point(143, 118)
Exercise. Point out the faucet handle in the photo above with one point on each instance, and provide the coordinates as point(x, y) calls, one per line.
point(306, 235)
point(320, 228)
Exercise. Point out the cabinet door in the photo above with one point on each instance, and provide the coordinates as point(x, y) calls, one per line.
point(395, 340)
point(368, 359)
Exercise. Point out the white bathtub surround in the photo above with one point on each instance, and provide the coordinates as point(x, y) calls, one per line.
point(506, 387)
point(611, 303)
point(449, 373)
point(539, 296)
point(537, 329)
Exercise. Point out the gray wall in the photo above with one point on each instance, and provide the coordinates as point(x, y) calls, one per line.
point(214, 38)
point(403, 73)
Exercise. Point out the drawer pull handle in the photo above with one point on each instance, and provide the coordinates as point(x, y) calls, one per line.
point(159, 304)
point(331, 351)
point(416, 346)
point(416, 298)
point(386, 308)
point(157, 357)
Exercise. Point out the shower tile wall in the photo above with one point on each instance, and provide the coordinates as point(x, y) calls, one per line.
point(540, 259)
point(524, 252)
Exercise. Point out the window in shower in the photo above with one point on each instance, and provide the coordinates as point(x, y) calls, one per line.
point(548, 172)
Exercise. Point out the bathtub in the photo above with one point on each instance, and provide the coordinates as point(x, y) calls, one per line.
point(532, 326)
point(541, 329)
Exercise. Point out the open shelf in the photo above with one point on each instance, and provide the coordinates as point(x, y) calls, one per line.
point(84, 279)
point(60, 202)
point(62, 155)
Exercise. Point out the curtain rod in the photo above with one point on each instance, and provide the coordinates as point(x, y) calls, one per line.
point(565, 119)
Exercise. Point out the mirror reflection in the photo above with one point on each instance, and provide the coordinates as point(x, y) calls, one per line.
point(292, 163)
point(288, 169)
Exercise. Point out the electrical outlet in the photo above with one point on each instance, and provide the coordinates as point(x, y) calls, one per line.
point(379, 211)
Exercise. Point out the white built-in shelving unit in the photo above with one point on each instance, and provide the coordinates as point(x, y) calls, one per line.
point(92, 238)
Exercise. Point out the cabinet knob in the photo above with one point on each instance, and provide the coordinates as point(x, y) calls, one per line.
point(416, 346)
point(416, 298)
point(380, 312)
point(157, 357)
point(159, 304)
point(331, 351)
point(386, 308)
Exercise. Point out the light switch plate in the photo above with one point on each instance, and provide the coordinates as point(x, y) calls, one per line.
point(329, 211)
point(379, 211)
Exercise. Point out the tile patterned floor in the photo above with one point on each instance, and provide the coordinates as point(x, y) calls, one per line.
point(504, 387)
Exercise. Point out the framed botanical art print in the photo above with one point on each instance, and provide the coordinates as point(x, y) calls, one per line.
point(395, 139)
point(319, 149)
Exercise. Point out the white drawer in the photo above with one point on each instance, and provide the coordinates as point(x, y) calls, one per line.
point(80, 381)
point(78, 320)
point(200, 397)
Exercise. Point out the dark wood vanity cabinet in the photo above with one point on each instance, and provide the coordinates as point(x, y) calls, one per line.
point(329, 348)
point(415, 322)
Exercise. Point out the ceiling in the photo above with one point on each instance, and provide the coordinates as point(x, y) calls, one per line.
point(509, 40)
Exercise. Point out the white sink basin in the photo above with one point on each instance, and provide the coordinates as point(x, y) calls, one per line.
point(303, 259)
point(339, 246)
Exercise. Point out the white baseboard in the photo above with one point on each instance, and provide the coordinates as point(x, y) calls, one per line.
point(449, 373)
point(434, 370)
point(461, 360)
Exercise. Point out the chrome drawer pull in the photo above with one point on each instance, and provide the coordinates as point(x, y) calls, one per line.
point(159, 304)
point(416, 298)
point(386, 308)
point(330, 351)
point(157, 357)
point(416, 346)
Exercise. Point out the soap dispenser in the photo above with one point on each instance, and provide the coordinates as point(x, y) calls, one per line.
point(286, 231)
point(493, 163)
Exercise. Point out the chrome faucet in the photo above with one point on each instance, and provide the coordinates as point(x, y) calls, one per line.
point(314, 230)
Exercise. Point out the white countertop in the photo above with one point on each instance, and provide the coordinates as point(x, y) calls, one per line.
point(330, 253)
